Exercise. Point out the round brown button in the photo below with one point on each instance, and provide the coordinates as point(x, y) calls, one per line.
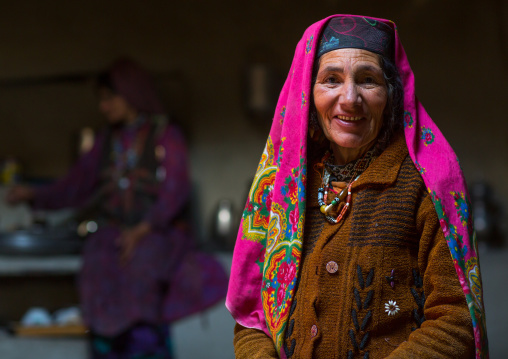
point(313, 331)
point(332, 267)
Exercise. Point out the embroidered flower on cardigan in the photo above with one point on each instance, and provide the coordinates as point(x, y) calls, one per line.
point(391, 307)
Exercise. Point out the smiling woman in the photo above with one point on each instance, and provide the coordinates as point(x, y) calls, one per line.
point(350, 96)
point(357, 239)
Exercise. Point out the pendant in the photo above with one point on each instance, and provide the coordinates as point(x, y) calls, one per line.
point(124, 183)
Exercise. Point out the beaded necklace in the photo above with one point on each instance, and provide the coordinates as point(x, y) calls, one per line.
point(332, 173)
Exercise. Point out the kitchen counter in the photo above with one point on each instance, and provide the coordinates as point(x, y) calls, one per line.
point(39, 265)
point(42, 281)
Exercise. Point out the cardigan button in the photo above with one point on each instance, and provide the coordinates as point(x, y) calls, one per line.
point(313, 331)
point(332, 267)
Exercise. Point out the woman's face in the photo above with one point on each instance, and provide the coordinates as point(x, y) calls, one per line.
point(114, 107)
point(350, 95)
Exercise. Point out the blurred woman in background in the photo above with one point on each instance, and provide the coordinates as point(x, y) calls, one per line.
point(140, 270)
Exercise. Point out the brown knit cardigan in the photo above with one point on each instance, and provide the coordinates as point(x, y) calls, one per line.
point(389, 249)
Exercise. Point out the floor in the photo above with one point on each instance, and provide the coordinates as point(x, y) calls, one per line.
point(210, 334)
point(206, 335)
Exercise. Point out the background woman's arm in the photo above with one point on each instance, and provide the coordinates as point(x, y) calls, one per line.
point(76, 187)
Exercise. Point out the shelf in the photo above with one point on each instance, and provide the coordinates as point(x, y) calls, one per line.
point(50, 331)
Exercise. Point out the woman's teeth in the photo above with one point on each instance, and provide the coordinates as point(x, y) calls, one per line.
point(349, 118)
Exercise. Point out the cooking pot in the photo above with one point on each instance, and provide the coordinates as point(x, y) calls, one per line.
point(40, 241)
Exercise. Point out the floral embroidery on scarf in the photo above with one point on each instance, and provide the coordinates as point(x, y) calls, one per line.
point(257, 211)
point(408, 119)
point(454, 238)
point(427, 135)
point(276, 227)
point(283, 249)
point(282, 114)
point(294, 189)
point(281, 152)
point(473, 274)
point(260, 261)
point(462, 207)
point(304, 100)
point(279, 285)
point(308, 47)
point(420, 168)
point(459, 251)
point(443, 218)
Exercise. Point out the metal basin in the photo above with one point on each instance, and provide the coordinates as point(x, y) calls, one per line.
point(40, 241)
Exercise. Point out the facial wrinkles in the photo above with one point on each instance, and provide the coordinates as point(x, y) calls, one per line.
point(350, 86)
point(345, 69)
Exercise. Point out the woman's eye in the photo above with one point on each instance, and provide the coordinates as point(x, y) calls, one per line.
point(331, 80)
point(369, 80)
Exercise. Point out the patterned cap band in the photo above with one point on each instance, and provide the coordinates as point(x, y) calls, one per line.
point(357, 32)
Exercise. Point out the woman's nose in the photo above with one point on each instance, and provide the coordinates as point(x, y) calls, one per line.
point(350, 96)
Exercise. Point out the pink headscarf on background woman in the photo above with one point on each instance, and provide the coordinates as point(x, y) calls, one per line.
point(269, 245)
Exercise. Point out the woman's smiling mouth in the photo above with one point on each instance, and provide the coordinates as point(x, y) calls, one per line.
point(348, 118)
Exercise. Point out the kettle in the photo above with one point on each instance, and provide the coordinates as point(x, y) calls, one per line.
point(224, 225)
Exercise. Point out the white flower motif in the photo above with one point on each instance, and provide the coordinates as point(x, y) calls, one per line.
point(391, 307)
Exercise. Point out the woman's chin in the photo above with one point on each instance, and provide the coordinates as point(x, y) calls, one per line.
point(350, 141)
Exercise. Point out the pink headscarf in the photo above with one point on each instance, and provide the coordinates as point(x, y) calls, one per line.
point(268, 249)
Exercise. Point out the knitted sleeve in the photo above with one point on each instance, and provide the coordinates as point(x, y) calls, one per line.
point(252, 344)
point(447, 330)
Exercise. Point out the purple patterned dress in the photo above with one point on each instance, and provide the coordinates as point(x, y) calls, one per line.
point(136, 173)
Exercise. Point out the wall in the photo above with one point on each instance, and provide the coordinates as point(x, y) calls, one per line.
point(197, 50)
